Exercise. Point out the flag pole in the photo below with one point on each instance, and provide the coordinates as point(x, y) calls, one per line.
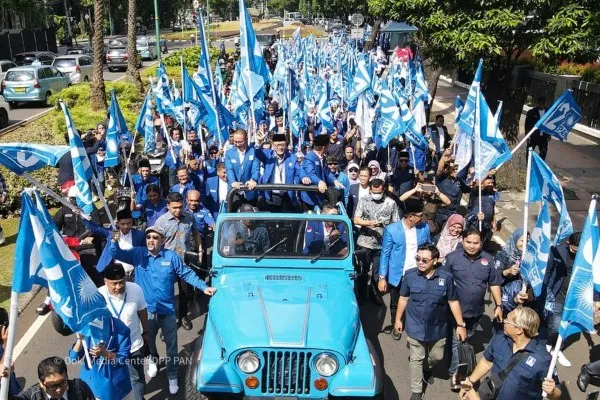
point(164, 127)
point(50, 193)
point(478, 137)
point(103, 199)
point(555, 352)
point(10, 342)
point(182, 95)
point(526, 213)
point(523, 140)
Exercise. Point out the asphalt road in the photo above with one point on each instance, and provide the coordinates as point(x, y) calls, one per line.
point(28, 110)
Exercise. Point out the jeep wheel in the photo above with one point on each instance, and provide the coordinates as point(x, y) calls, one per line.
point(3, 117)
point(191, 393)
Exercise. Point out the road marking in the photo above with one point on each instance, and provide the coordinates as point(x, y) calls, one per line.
point(37, 324)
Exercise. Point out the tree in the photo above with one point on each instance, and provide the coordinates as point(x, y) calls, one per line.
point(456, 33)
point(133, 74)
point(98, 91)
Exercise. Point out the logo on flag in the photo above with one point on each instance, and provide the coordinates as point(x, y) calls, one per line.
point(561, 117)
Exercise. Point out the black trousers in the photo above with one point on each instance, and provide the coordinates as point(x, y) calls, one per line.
point(394, 297)
point(541, 143)
point(366, 260)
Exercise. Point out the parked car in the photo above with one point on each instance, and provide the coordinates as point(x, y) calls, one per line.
point(146, 47)
point(5, 65)
point(83, 50)
point(116, 58)
point(266, 40)
point(42, 57)
point(32, 83)
point(177, 28)
point(337, 29)
point(77, 67)
point(284, 322)
point(3, 113)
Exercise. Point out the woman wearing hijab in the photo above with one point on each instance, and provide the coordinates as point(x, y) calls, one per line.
point(509, 259)
point(376, 172)
point(451, 235)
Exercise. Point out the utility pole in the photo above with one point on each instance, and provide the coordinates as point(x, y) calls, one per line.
point(157, 29)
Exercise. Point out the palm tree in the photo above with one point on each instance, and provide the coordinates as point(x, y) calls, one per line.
point(132, 74)
point(98, 92)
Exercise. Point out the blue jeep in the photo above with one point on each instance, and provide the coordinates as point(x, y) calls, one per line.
point(284, 322)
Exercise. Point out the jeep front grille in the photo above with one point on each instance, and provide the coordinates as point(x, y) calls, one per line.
point(286, 372)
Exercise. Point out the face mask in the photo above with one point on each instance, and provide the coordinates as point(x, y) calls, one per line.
point(377, 196)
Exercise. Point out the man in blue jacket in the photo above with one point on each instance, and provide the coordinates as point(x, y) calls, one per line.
point(216, 190)
point(401, 241)
point(280, 167)
point(128, 237)
point(243, 168)
point(315, 172)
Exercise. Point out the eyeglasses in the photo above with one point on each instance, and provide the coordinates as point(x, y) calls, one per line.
point(353, 170)
point(403, 160)
point(509, 322)
point(422, 260)
point(155, 237)
point(420, 215)
point(331, 163)
point(56, 385)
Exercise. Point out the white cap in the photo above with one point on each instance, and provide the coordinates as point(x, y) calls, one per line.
point(72, 191)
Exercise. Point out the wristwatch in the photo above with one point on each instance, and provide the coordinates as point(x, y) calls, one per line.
point(382, 278)
point(463, 325)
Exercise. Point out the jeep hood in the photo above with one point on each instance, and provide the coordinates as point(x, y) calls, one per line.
point(285, 314)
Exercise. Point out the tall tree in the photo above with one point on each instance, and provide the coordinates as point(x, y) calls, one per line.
point(456, 33)
point(98, 90)
point(132, 74)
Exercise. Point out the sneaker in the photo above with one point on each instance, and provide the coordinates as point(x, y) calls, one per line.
point(2, 239)
point(152, 369)
point(396, 334)
point(387, 329)
point(583, 379)
point(95, 199)
point(562, 360)
point(173, 386)
point(43, 309)
point(416, 396)
point(186, 324)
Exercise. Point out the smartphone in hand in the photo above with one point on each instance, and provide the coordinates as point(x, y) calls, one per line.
point(461, 372)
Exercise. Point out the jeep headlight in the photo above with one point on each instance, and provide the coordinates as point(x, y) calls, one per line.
point(248, 362)
point(326, 364)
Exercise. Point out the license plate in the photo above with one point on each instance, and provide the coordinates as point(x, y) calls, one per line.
point(117, 59)
point(19, 90)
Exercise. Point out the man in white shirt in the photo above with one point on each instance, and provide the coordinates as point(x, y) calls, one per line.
point(125, 300)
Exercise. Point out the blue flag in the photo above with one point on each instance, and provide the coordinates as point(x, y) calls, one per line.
point(561, 117)
point(490, 148)
point(412, 133)
point(116, 128)
point(82, 168)
point(544, 187)
point(361, 81)
point(26, 157)
point(46, 259)
point(544, 184)
point(467, 116)
point(533, 265)
point(324, 110)
point(578, 311)
point(145, 124)
point(389, 124)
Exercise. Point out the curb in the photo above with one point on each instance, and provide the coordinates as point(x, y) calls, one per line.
point(26, 299)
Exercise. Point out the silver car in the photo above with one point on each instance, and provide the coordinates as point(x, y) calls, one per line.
point(5, 65)
point(77, 67)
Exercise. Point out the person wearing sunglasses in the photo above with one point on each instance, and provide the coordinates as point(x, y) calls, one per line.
point(54, 383)
point(519, 354)
point(400, 243)
point(156, 271)
point(427, 295)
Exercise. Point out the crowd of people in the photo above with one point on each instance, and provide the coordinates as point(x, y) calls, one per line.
point(412, 239)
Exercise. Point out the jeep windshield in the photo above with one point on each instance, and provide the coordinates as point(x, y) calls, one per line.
point(265, 238)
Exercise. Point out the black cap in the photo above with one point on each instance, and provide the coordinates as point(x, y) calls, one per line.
point(114, 272)
point(124, 214)
point(321, 140)
point(144, 163)
point(332, 160)
point(403, 154)
point(279, 137)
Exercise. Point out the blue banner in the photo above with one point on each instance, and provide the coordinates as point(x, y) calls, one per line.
point(561, 117)
point(26, 157)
